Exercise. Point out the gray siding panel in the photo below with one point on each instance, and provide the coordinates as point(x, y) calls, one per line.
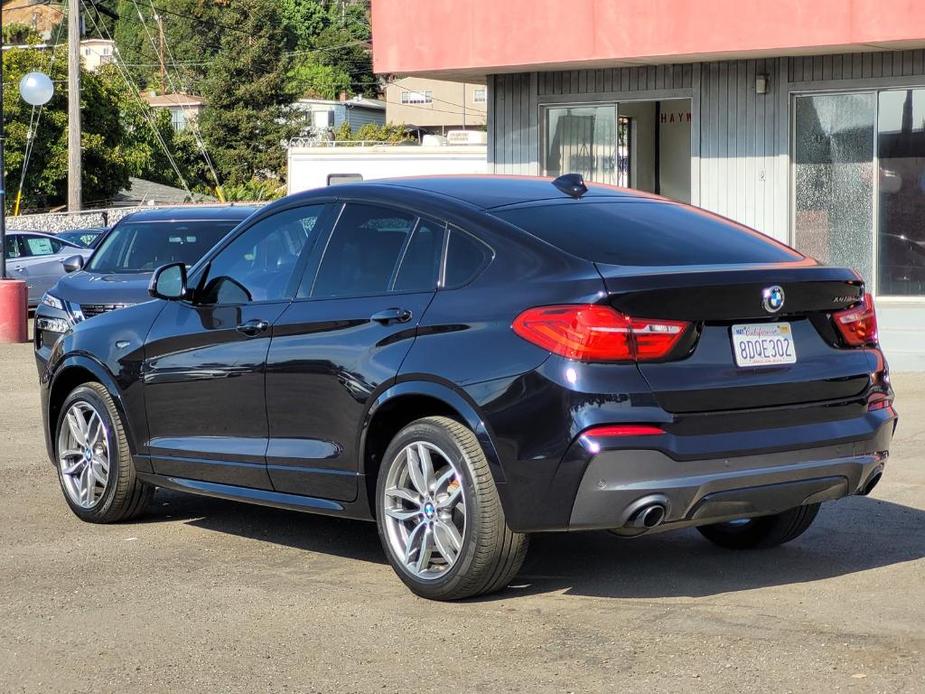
point(741, 154)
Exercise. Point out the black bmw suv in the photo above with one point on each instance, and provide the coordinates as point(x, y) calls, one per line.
point(467, 360)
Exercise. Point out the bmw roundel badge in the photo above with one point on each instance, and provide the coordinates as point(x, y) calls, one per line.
point(772, 299)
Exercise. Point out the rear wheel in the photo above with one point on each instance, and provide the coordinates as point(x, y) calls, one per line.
point(95, 466)
point(439, 516)
point(764, 531)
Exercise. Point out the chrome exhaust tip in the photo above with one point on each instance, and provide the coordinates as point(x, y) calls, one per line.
point(648, 516)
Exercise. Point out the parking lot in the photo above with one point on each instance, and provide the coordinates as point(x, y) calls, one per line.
point(205, 595)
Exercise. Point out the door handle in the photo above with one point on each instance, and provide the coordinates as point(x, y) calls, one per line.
point(392, 315)
point(253, 327)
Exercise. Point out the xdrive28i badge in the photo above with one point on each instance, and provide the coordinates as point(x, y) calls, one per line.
point(772, 299)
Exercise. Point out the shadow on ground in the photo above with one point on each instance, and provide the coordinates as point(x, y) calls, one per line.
point(849, 536)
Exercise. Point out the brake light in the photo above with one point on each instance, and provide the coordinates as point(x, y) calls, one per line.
point(598, 333)
point(858, 325)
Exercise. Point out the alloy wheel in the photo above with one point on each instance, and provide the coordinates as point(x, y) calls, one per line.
point(425, 510)
point(83, 454)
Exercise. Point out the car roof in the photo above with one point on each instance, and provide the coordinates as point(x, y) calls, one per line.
point(192, 213)
point(488, 192)
point(16, 232)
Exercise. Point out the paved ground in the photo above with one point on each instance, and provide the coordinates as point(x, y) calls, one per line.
point(211, 596)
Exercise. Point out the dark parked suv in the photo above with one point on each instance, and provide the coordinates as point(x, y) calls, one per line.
point(469, 360)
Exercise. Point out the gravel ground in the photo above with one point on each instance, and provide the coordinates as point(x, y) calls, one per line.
point(205, 595)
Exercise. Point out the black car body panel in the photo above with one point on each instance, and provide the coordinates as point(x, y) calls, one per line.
point(297, 414)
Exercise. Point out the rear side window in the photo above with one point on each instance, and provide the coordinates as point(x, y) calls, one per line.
point(466, 257)
point(421, 262)
point(363, 251)
point(646, 233)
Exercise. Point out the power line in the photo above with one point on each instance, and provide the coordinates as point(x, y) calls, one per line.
point(35, 118)
point(194, 126)
point(144, 106)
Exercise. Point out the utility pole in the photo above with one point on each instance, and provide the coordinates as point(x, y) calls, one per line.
point(74, 192)
point(464, 106)
point(2, 166)
point(160, 53)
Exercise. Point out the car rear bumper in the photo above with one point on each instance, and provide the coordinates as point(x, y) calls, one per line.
point(617, 484)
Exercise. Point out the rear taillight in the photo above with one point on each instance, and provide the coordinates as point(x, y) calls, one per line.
point(598, 333)
point(858, 325)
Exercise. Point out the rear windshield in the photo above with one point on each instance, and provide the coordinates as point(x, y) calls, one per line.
point(646, 233)
point(145, 246)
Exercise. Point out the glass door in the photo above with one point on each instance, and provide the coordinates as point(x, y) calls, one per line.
point(859, 185)
point(833, 178)
point(583, 140)
point(901, 193)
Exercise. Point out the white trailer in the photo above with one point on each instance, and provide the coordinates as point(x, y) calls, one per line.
point(314, 164)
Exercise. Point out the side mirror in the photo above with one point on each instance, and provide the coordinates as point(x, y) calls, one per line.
point(73, 264)
point(169, 282)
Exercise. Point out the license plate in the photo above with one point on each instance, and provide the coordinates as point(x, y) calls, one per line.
point(763, 344)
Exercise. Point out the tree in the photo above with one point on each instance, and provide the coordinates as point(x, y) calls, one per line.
point(248, 95)
point(105, 169)
point(345, 44)
point(192, 32)
point(312, 79)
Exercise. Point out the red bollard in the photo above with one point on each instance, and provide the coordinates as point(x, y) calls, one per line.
point(14, 315)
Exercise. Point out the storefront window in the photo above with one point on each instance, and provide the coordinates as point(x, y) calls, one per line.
point(833, 179)
point(901, 211)
point(582, 139)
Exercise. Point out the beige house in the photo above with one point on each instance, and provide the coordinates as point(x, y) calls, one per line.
point(436, 104)
point(41, 17)
point(184, 108)
point(97, 52)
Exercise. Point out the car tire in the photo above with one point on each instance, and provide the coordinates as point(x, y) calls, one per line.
point(443, 529)
point(97, 478)
point(762, 532)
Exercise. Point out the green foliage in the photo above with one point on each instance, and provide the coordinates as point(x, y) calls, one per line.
point(318, 81)
point(254, 190)
point(304, 20)
point(192, 32)
point(20, 34)
point(248, 96)
point(106, 168)
point(344, 43)
point(390, 132)
point(250, 59)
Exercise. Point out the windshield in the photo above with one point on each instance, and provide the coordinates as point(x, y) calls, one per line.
point(145, 246)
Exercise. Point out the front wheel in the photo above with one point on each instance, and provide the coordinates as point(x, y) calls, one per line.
point(439, 516)
point(764, 531)
point(95, 466)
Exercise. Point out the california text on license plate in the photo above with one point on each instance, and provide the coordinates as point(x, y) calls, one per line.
point(763, 344)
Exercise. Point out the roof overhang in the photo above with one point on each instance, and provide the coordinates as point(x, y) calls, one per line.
point(466, 41)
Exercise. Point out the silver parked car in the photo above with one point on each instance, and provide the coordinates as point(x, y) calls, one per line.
point(39, 260)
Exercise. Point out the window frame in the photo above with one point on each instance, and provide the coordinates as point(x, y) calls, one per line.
point(832, 87)
point(17, 240)
point(199, 273)
point(441, 264)
point(306, 286)
point(489, 257)
point(426, 97)
point(27, 251)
